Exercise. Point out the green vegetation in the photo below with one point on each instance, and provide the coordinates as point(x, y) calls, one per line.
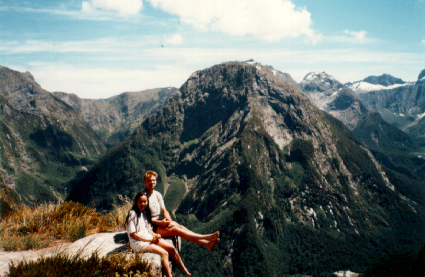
point(175, 194)
point(404, 263)
point(375, 133)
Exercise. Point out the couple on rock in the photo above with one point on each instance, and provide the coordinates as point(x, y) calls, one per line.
point(148, 221)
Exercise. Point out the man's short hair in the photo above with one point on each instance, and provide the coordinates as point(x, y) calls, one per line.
point(150, 173)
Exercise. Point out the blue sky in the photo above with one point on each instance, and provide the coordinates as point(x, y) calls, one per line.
point(101, 48)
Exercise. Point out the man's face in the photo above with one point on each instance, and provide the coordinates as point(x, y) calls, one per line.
point(150, 182)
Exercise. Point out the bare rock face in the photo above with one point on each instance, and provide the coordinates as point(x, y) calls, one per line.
point(40, 136)
point(334, 98)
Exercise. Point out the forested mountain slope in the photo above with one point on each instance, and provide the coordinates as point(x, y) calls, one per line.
point(44, 141)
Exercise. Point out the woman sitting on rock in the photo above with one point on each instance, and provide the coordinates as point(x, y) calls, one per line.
point(143, 239)
point(162, 222)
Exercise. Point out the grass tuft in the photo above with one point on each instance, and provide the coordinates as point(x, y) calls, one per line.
point(119, 213)
point(64, 264)
point(39, 226)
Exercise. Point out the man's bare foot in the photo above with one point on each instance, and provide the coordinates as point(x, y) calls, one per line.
point(213, 244)
point(214, 236)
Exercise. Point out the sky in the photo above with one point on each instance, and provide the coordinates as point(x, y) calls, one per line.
point(100, 48)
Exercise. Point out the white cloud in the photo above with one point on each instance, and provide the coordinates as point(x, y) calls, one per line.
point(423, 41)
point(123, 7)
point(99, 82)
point(175, 39)
point(359, 36)
point(162, 67)
point(268, 20)
point(103, 45)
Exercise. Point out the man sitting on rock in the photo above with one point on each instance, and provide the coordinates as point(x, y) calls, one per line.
point(164, 225)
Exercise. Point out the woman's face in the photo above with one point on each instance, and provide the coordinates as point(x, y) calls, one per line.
point(142, 202)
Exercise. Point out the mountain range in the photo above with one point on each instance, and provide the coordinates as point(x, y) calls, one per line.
point(242, 149)
point(299, 178)
point(47, 139)
point(114, 119)
point(44, 142)
point(403, 107)
point(341, 102)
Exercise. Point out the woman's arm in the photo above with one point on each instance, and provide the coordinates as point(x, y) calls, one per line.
point(147, 236)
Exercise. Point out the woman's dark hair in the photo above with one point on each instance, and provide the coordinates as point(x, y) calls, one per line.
point(138, 212)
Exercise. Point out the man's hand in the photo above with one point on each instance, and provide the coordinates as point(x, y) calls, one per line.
point(165, 222)
point(172, 224)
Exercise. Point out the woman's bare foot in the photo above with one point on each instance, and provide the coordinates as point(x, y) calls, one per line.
point(213, 244)
point(184, 270)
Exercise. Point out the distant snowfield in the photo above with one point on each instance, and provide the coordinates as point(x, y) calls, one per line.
point(362, 87)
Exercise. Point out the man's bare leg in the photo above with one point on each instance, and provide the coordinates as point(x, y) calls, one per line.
point(209, 241)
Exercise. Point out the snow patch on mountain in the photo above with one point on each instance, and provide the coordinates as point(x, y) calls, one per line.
point(363, 87)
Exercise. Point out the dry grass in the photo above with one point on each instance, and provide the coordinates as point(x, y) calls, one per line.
point(37, 227)
point(118, 215)
point(40, 226)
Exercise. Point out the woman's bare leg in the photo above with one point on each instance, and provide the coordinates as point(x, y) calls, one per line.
point(174, 254)
point(164, 256)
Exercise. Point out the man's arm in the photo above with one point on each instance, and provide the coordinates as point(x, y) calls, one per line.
point(166, 214)
point(170, 223)
point(163, 222)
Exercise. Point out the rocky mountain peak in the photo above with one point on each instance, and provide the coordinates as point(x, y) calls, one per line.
point(320, 82)
point(285, 77)
point(325, 91)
